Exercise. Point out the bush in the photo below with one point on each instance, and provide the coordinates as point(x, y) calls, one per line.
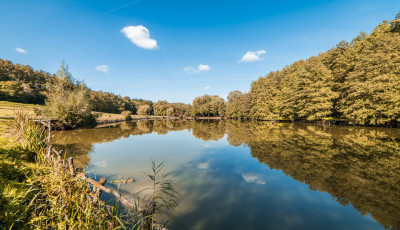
point(144, 110)
point(68, 101)
point(127, 115)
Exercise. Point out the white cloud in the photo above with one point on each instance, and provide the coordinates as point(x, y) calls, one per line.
point(103, 68)
point(253, 178)
point(140, 36)
point(251, 56)
point(188, 69)
point(200, 68)
point(20, 50)
point(207, 87)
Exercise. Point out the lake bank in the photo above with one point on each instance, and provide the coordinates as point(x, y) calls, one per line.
point(40, 188)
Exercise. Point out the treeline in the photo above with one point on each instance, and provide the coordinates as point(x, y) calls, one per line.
point(70, 100)
point(21, 83)
point(358, 81)
point(163, 108)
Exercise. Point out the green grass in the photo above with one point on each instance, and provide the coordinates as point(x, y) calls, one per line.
point(35, 195)
point(8, 109)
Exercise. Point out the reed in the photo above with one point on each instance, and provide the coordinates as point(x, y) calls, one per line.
point(34, 194)
point(32, 135)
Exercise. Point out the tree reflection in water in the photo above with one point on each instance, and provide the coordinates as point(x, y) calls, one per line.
point(355, 165)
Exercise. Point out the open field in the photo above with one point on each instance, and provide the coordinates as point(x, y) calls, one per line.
point(8, 109)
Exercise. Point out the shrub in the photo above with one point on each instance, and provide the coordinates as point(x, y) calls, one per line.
point(127, 115)
point(68, 101)
point(144, 110)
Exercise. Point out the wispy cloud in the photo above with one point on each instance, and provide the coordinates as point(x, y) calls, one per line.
point(103, 68)
point(20, 50)
point(207, 87)
point(140, 36)
point(121, 7)
point(199, 69)
point(252, 56)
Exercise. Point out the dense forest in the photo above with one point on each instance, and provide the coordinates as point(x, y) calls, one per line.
point(358, 81)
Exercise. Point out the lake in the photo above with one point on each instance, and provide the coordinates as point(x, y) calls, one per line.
point(253, 175)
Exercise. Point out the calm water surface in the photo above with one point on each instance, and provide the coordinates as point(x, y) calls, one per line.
point(254, 175)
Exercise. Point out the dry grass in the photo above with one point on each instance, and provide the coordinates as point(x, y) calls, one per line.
point(8, 109)
point(35, 194)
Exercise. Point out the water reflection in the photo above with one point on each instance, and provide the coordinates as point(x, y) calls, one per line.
point(224, 188)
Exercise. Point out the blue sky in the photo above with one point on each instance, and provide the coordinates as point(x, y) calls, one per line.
point(199, 44)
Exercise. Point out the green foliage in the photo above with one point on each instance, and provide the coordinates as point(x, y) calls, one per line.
point(31, 134)
point(20, 83)
point(163, 108)
point(159, 108)
point(170, 112)
point(371, 92)
point(208, 105)
point(239, 105)
point(306, 91)
point(110, 103)
point(234, 95)
point(36, 196)
point(68, 101)
point(265, 95)
point(127, 115)
point(358, 81)
point(395, 24)
point(144, 110)
point(160, 198)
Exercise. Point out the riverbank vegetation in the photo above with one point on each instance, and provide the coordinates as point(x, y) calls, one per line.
point(37, 192)
point(35, 196)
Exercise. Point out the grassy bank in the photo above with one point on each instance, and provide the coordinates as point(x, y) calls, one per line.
point(8, 109)
point(39, 191)
point(34, 195)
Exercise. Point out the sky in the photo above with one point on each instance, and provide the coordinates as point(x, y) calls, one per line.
point(177, 50)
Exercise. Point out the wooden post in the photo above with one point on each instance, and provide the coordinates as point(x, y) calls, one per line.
point(71, 166)
point(60, 158)
point(49, 154)
point(49, 126)
point(98, 190)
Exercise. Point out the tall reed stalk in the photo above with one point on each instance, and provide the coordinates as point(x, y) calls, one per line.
point(31, 134)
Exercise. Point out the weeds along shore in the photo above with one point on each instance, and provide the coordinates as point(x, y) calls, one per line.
point(38, 191)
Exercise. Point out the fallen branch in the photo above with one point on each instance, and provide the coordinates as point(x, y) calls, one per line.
point(123, 181)
point(107, 190)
